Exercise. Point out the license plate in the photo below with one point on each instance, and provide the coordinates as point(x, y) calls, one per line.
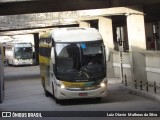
point(83, 94)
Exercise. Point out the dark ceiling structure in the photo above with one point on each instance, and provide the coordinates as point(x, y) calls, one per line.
point(10, 7)
point(151, 8)
point(41, 6)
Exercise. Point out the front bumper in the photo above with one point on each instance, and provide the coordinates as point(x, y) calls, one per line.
point(67, 94)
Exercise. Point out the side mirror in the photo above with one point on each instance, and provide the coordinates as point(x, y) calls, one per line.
point(53, 43)
point(52, 55)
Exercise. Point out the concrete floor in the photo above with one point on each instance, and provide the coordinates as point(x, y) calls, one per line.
point(23, 92)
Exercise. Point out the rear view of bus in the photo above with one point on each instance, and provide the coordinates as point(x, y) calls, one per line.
point(78, 60)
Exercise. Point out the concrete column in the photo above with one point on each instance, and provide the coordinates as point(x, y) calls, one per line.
point(84, 24)
point(137, 44)
point(136, 32)
point(158, 37)
point(105, 29)
point(36, 43)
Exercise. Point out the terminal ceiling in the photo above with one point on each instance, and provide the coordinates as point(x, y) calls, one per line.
point(151, 8)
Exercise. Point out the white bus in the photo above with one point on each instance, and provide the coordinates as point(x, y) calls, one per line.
point(73, 63)
point(19, 53)
point(1, 73)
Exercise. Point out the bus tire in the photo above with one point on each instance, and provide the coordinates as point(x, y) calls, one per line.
point(56, 100)
point(7, 61)
point(45, 91)
point(53, 90)
point(42, 82)
point(98, 99)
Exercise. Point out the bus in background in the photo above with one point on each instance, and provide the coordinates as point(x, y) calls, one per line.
point(19, 53)
point(73, 63)
point(1, 73)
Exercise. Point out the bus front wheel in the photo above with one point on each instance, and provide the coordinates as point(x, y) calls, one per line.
point(44, 87)
point(7, 61)
point(56, 100)
point(53, 90)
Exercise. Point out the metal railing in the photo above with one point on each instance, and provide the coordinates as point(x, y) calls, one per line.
point(142, 85)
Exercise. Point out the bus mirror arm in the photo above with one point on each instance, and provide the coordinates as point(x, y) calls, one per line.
point(52, 55)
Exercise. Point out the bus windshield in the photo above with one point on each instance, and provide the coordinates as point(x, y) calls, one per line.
point(80, 61)
point(23, 53)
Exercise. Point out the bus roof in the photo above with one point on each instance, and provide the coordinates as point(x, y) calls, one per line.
point(18, 44)
point(75, 34)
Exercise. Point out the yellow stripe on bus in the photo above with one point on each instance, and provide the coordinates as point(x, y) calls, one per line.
point(44, 60)
point(74, 84)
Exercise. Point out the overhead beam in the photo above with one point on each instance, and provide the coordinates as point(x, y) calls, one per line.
point(30, 21)
point(119, 3)
point(31, 30)
point(11, 7)
point(19, 32)
point(41, 6)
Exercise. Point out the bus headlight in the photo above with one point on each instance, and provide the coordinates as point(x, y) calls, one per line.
point(61, 85)
point(16, 60)
point(103, 83)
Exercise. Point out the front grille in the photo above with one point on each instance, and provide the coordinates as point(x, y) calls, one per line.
point(82, 89)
